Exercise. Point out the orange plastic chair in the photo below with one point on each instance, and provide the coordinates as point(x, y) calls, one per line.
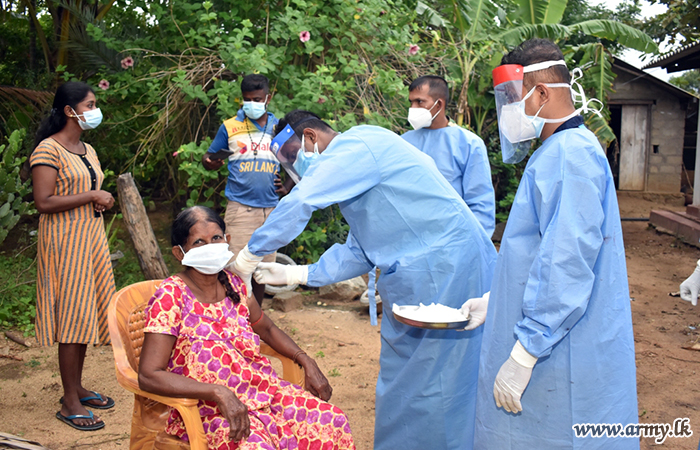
point(126, 322)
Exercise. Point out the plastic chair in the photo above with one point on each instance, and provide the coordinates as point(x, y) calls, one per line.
point(126, 322)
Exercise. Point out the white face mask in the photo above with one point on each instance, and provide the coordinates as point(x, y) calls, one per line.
point(421, 117)
point(517, 126)
point(91, 119)
point(208, 259)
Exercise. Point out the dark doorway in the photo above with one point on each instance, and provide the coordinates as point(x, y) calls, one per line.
point(613, 151)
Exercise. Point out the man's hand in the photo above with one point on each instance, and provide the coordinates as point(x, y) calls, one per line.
point(691, 287)
point(212, 164)
point(280, 274)
point(513, 378)
point(280, 188)
point(475, 309)
point(244, 265)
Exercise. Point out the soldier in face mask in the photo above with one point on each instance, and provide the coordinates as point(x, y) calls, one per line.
point(459, 154)
point(253, 186)
point(558, 347)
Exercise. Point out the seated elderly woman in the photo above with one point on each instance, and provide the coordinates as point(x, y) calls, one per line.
point(202, 340)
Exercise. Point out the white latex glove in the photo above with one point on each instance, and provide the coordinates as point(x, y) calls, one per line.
point(512, 379)
point(691, 286)
point(280, 274)
point(476, 307)
point(244, 265)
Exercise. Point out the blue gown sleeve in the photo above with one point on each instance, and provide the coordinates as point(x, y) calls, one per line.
point(220, 140)
point(338, 263)
point(561, 277)
point(477, 186)
point(343, 171)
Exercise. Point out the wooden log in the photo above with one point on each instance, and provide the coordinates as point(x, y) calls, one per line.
point(18, 338)
point(147, 249)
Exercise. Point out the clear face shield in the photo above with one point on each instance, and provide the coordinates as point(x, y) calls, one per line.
point(286, 147)
point(508, 91)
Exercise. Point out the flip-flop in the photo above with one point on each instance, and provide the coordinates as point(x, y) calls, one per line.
point(69, 421)
point(85, 401)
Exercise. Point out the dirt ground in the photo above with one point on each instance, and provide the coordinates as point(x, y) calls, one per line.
point(347, 346)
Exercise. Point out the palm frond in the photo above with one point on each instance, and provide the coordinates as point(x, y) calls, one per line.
point(551, 31)
point(27, 102)
point(431, 15)
point(617, 31)
point(535, 12)
point(481, 15)
point(601, 128)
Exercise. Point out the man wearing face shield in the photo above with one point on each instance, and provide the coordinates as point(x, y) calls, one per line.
point(406, 219)
point(460, 155)
point(253, 184)
point(558, 347)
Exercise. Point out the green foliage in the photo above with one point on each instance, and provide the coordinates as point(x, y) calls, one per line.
point(18, 290)
point(680, 24)
point(326, 227)
point(689, 81)
point(540, 12)
point(12, 189)
point(205, 186)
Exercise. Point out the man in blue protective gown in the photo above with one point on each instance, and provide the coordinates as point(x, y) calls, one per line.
point(558, 348)
point(460, 155)
point(406, 219)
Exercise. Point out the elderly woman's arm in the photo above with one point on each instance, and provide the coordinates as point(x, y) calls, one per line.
point(153, 377)
point(316, 382)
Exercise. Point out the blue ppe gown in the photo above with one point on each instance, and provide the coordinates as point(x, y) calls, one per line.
point(406, 219)
point(560, 287)
point(461, 157)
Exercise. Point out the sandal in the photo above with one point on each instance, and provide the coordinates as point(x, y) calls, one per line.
point(85, 401)
point(69, 421)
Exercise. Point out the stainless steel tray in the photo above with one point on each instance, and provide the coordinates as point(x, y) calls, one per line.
point(429, 325)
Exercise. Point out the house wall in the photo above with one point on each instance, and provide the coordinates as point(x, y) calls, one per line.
point(667, 129)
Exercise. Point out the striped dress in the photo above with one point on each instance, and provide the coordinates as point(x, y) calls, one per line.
point(74, 273)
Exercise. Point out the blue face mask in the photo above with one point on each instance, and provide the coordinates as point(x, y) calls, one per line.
point(304, 158)
point(255, 110)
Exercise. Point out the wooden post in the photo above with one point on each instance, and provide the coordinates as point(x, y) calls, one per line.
point(150, 258)
point(696, 181)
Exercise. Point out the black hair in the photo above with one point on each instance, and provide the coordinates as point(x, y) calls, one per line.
point(535, 51)
point(181, 231)
point(300, 119)
point(255, 82)
point(437, 86)
point(70, 93)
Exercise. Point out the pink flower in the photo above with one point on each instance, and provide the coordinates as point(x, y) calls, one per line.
point(103, 84)
point(174, 154)
point(321, 100)
point(127, 62)
point(413, 49)
point(304, 36)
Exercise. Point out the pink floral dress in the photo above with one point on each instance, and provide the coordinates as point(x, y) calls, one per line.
point(216, 344)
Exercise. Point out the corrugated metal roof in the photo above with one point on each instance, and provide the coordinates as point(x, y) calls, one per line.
point(684, 58)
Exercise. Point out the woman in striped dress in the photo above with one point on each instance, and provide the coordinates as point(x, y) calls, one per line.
point(75, 281)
